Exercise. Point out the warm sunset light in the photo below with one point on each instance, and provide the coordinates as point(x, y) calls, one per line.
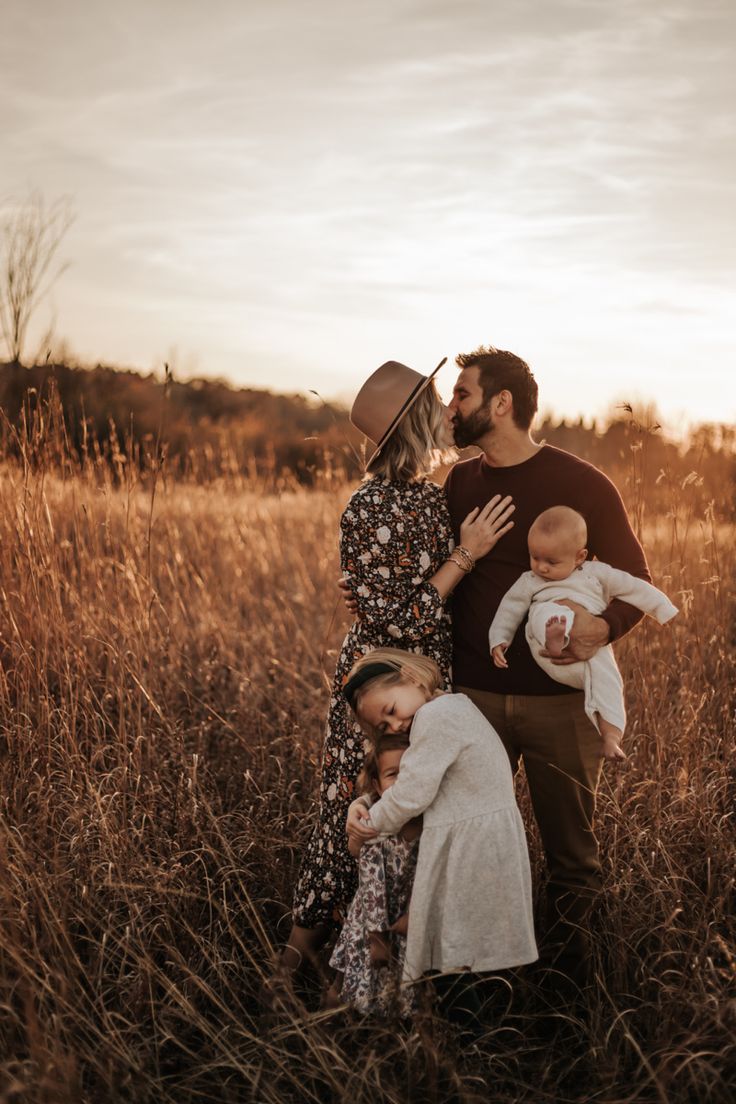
point(367, 552)
point(286, 194)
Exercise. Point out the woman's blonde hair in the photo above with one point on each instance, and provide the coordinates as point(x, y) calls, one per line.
point(407, 667)
point(370, 776)
point(412, 450)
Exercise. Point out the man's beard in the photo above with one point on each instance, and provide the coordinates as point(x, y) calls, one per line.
point(468, 431)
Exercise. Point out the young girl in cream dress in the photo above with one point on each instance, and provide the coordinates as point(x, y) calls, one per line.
point(471, 905)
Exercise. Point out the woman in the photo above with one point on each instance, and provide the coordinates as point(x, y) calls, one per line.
point(397, 552)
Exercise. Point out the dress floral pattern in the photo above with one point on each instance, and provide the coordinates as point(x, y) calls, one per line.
point(386, 874)
point(393, 538)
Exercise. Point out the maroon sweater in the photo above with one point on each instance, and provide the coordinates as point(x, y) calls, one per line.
point(549, 478)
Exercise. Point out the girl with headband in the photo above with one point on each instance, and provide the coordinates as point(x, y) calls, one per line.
point(471, 903)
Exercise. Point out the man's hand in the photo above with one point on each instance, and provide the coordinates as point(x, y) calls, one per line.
point(347, 596)
point(588, 634)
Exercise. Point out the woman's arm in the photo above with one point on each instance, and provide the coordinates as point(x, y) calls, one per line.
point(387, 590)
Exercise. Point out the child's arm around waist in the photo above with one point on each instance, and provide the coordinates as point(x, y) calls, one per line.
point(435, 744)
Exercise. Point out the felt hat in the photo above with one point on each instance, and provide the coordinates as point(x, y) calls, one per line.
point(385, 399)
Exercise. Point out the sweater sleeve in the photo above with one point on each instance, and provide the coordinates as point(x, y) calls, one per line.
point(612, 540)
point(387, 577)
point(636, 592)
point(433, 749)
point(511, 612)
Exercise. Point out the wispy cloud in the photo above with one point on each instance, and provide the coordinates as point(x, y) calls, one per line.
point(268, 184)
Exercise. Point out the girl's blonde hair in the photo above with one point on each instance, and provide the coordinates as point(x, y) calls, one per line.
point(408, 667)
point(412, 450)
point(369, 777)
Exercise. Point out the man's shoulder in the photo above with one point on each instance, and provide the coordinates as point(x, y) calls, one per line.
point(549, 456)
point(561, 458)
point(568, 466)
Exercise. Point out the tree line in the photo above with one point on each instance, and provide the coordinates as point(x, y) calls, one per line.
point(204, 429)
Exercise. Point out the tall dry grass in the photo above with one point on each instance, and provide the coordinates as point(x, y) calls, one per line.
point(166, 650)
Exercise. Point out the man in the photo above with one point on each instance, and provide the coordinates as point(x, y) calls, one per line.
point(539, 720)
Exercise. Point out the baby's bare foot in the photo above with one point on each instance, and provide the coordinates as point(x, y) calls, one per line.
point(611, 737)
point(554, 636)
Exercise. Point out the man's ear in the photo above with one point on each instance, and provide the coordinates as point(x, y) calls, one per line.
point(503, 403)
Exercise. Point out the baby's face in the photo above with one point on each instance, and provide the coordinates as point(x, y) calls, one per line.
point(553, 558)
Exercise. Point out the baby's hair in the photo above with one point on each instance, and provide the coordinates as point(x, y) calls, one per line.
point(368, 778)
point(561, 521)
point(405, 667)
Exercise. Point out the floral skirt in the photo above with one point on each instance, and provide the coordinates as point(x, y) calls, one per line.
point(386, 875)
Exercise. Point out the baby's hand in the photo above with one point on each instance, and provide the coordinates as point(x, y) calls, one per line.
point(499, 655)
point(356, 827)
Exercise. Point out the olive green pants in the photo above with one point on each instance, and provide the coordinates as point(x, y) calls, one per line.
point(561, 750)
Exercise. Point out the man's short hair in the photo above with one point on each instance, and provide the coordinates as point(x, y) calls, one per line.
point(504, 371)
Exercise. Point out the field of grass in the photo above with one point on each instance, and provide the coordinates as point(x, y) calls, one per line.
point(166, 650)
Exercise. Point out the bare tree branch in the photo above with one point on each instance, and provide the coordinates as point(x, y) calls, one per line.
point(30, 235)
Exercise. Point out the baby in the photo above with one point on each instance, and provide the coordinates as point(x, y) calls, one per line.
point(560, 571)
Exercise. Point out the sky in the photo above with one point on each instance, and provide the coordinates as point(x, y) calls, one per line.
point(285, 194)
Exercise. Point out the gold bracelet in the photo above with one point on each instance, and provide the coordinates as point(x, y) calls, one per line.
point(465, 555)
point(459, 563)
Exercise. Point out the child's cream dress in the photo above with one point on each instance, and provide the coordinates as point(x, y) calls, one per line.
point(471, 906)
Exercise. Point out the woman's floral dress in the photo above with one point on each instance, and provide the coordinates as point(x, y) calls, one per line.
point(386, 874)
point(393, 538)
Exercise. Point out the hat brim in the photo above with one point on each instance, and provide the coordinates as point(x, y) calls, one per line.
point(421, 386)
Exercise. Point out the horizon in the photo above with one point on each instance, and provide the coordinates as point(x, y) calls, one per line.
point(643, 411)
point(302, 194)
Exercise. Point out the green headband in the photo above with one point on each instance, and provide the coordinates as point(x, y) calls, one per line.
point(365, 674)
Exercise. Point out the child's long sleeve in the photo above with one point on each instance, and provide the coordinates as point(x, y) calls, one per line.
point(430, 755)
point(512, 610)
point(637, 592)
